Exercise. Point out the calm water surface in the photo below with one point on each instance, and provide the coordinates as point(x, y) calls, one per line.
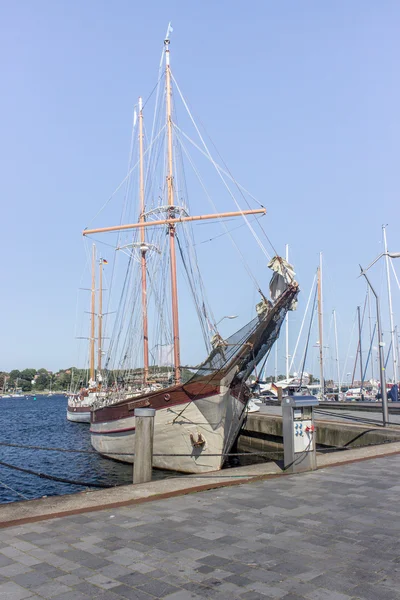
point(43, 422)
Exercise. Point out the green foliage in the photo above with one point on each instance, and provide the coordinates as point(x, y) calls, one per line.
point(28, 374)
point(25, 385)
point(42, 381)
point(2, 378)
point(14, 375)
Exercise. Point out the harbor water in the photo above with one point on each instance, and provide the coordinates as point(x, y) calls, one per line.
point(41, 421)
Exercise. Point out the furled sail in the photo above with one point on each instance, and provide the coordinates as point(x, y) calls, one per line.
point(283, 277)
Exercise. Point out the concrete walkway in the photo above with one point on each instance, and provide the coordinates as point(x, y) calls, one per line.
point(328, 535)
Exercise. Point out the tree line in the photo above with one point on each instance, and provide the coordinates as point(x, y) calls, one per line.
point(29, 380)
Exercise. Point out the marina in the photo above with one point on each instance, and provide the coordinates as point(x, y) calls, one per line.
point(199, 355)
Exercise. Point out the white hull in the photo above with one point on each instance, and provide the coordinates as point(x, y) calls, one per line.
point(173, 429)
point(78, 411)
point(78, 417)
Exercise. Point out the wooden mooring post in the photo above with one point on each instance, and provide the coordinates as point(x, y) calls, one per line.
point(144, 434)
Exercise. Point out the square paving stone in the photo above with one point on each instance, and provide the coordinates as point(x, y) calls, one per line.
point(135, 579)
point(14, 569)
point(124, 591)
point(29, 580)
point(238, 580)
point(158, 588)
point(51, 589)
point(13, 591)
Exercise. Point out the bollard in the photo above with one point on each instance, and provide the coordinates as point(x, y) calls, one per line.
point(144, 433)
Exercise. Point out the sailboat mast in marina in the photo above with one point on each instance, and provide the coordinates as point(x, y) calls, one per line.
point(79, 403)
point(200, 409)
point(321, 328)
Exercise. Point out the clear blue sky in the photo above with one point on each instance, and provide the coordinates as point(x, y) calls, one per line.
point(301, 98)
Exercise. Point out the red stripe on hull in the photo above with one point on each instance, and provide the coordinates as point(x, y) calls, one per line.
point(112, 431)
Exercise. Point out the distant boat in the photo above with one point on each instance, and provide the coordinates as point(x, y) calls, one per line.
point(80, 403)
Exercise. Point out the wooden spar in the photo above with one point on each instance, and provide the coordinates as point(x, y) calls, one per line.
point(92, 314)
point(171, 226)
point(100, 317)
point(239, 213)
point(320, 325)
point(143, 250)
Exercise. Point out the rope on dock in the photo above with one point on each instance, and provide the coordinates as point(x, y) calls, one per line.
point(55, 478)
point(260, 453)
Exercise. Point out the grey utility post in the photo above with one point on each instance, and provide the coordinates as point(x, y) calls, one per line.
point(382, 371)
point(299, 435)
point(144, 434)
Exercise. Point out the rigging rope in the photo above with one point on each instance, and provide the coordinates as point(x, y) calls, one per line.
point(308, 339)
point(246, 266)
point(260, 244)
point(302, 323)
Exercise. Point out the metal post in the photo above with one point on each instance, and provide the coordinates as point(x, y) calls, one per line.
point(360, 349)
point(397, 346)
point(392, 334)
point(321, 329)
point(144, 434)
point(385, 411)
point(337, 353)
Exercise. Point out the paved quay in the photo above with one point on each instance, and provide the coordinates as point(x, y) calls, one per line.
point(328, 535)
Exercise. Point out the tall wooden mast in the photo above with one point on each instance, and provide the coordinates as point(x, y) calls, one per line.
point(321, 327)
point(92, 315)
point(171, 227)
point(143, 250)
point(100, 318)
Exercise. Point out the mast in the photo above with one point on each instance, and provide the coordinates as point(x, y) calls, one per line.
point(397, 345)
point(92, 314)
point(287, 327)
point(321, 326)
point(143, 250)
point(337, 352)
point(171, 227)
point(360, 349)
point(370, 332)
point(100, 318)
point(394, 345)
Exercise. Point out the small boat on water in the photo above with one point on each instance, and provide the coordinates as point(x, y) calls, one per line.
point(199, 410)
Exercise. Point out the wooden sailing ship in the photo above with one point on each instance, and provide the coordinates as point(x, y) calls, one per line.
point(199, 411)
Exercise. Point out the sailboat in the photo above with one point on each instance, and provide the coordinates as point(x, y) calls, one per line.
point(79, 403)
point(199, 410)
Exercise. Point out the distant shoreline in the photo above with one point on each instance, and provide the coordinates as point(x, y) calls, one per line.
point(41, 393)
